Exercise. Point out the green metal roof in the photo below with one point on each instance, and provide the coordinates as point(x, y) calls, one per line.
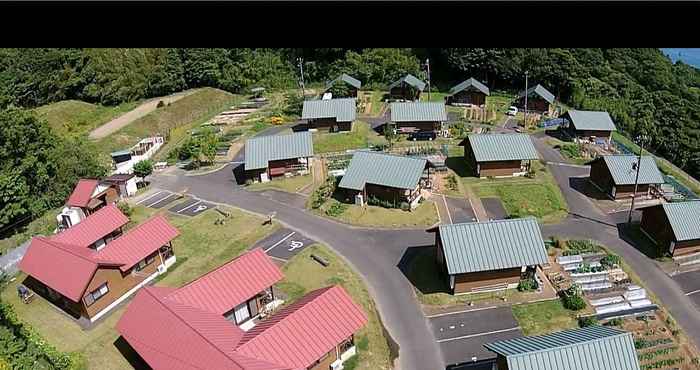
point(501, 147)
point(591, 120)
point(382, 169)
point(120, 153)
point(343, 110)
point(684, 217)
point(492, 245)
point(623, 173)
point(538, 90)
point(471, 84)
point(257, 89)
point(352, 81)
point(260, 150)
point(590, 348)
point(410, 80)
point(418, 112)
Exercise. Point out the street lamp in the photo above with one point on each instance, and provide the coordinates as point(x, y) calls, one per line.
point(525, 119)
point(640, 140)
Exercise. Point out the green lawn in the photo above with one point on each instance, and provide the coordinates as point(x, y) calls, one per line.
point(303, 274)
point(521, 196)
point(174, 119)
point(424, 215)
point(375, 100)
point(200, 248)
point(434, 96)
point(290, 185)
point(360, 137)
point(74, 117)
point(544, 317)
point(44, 225)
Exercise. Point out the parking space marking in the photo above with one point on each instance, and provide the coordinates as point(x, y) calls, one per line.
point(477, 335)
point(448, 209)
point(280, 242)
point(693, 292)
point(149, 197)
point(164, 200)
point(190, 206)
point(463, 311)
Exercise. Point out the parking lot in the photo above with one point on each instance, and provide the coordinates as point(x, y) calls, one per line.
point(284, 244)
point(159, 199)
point(689, 283)
point(181, 205)
point(460, 210)
point(461, 335)
point(494, 208)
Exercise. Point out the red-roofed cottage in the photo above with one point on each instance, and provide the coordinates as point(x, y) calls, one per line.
point(88, 197)
point(92, 267)
point(187, 328)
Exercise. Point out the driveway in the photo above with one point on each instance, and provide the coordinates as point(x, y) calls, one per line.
point(462, 335)
point(374, 254)
point(494, 208)
point(460, 210)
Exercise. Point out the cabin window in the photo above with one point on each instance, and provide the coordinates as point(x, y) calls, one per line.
point(96, 294)
point(242, 313)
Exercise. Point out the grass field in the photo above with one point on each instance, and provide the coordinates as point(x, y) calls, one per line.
point(303, 274)
point(175, 119)
point(74, 117)
point(521, 196)
point(544, 317)
point(290, 185)
point(360, 137)
point(201, 247)
point(43, 225)
point(374, 216)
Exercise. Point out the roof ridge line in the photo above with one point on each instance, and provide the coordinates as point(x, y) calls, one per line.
point(492, 221)
point(160, 300)
point(571, 344)
point(66, 248)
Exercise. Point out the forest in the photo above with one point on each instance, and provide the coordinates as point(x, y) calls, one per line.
point(645, 93)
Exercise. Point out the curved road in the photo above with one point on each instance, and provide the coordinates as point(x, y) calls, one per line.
point(376, 254)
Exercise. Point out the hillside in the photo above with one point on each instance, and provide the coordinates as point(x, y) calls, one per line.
point(78, 117)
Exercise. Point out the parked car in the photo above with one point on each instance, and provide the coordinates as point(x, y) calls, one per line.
point(512, 111)
point(423, 135)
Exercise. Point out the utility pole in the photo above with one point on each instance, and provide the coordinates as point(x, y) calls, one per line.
point(525, 120)
point(427, 63)
point(640, 141)
point(301, 69)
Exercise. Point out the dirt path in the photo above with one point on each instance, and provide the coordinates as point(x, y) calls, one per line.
point(138, 112)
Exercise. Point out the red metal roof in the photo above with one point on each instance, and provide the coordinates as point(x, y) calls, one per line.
point(97, 225)
point(66, 269)
point(301, 333)
point(138, 242)
point(231, 284)
point(82, 193)
point(170, 335)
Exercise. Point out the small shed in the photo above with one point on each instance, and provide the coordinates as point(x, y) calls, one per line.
point(615, 176)
point(386, 177)
point(124, 183)
point(418, 116)
point(278, 155)
point(591, 348)
point(331, 114)
point(486, 256)
point(349, 89)
point(499, 155)
point(674, 227)
point(468, 92)
point(591, 126)
point(539, 99)
point(408, 87)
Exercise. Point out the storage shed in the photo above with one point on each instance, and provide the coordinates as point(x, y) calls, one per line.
point(418, 116)
point(591, 126)
point(278, 155)
point(539, 100)
point(615, 176)
point(675, 227)
point(486, 256)
point(499, 155)
point(333, 114)
point(468, 92)
point(350, 86)
point(408, 87)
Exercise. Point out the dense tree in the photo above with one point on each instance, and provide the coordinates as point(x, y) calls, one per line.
point(143, 169)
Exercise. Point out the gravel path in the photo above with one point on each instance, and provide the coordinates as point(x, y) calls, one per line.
point(132, 115)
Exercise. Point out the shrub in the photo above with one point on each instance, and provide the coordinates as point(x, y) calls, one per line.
point(611, 260)
point(527, 285)
point(452, 182)
point(614, 322)
point(125, 208)
point(575, 247)
point(572, 299)
point(572, 151)
point(323, 192)
point(374, 201)
point(336, 209)
point(587, 321)
point(160, 104)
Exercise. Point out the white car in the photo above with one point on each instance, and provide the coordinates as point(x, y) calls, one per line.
point(512, 111)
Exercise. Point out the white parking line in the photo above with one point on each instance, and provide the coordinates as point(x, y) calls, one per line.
point(463, 311)
point(478, 335)
point(280, 242)
point(149, 197)
point(190, 206)
point(693, 292)
point(447, 209)
point(160, 200)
